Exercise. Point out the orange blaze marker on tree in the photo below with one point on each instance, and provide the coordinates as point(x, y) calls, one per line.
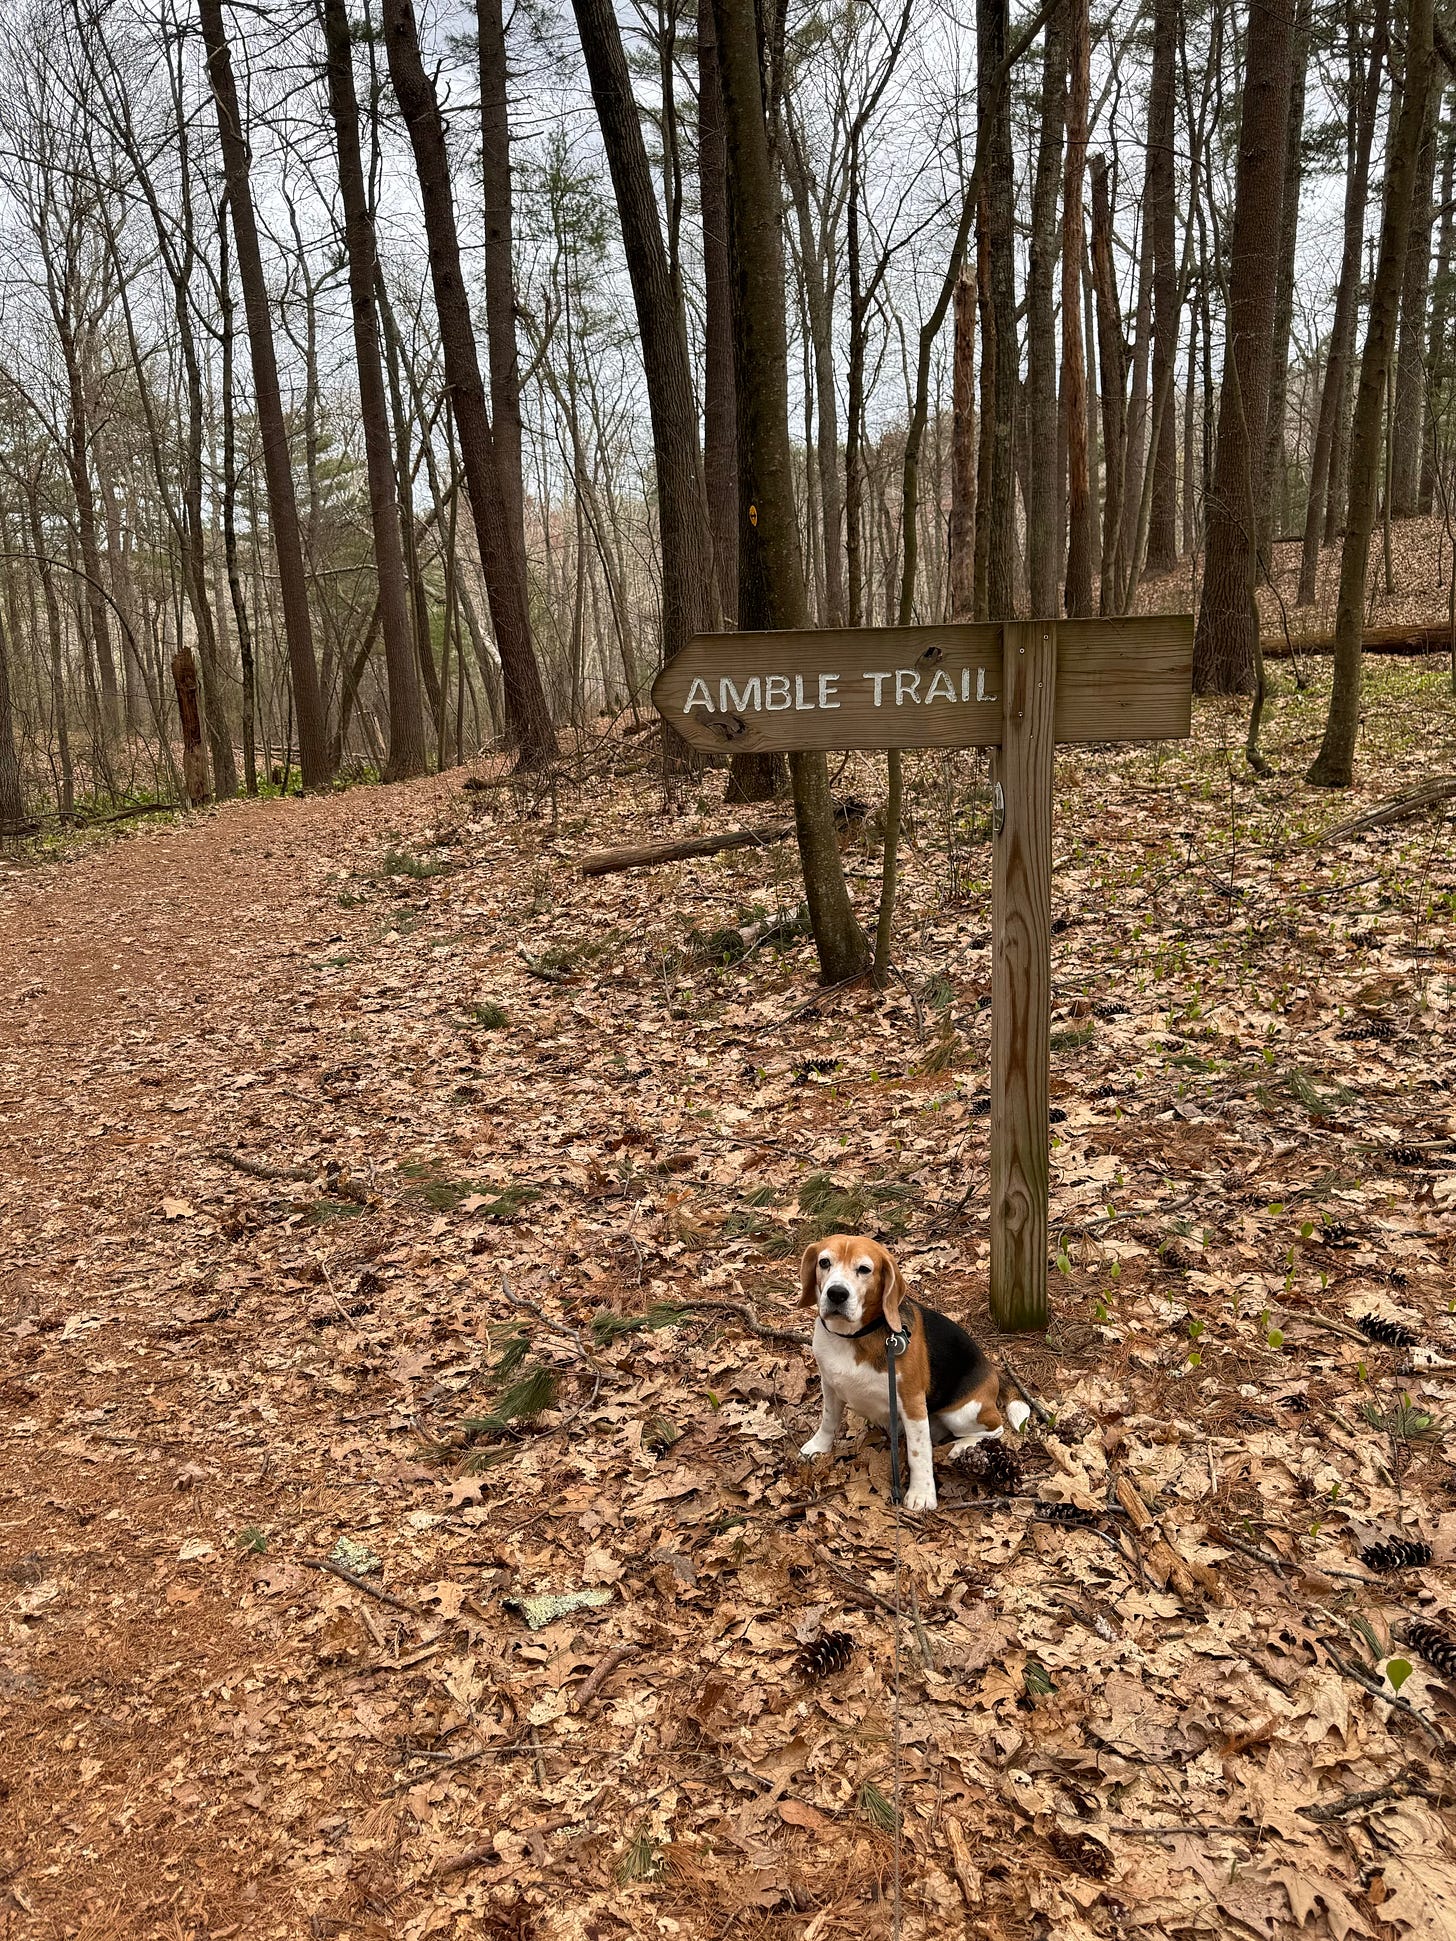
point(1018, 688)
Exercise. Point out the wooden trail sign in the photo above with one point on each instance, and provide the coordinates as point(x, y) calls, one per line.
point(1019, 688)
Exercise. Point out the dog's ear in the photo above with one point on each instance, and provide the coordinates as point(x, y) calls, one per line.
point(809, 1276)
point(892, 1291)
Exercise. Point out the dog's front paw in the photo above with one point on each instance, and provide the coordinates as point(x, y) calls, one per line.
point(920, 1496)
point(818, 1445)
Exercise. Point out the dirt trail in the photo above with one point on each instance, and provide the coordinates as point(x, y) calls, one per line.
point(501, 1127)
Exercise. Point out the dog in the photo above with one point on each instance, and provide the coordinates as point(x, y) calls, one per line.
point(946, 1389)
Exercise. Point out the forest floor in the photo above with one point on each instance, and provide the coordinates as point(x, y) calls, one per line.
point(334, 1131)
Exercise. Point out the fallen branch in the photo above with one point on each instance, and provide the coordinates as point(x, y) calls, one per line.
point(750, 1320)
point(1187, 1579)
point(1039, 1409)
point(362, 1584)
point(1396, 808)
point(544, 971)
point(1375, 640)
point(607, 862)
point(595, 1681)
point(338, 1187)
point(1409, 1783)
point(559, 1328)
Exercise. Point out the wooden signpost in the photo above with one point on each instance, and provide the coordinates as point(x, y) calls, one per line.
point(1019, 687)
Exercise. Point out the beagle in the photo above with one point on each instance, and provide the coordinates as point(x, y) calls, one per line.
point(946, 1389)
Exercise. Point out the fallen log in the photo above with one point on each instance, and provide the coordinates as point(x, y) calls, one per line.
point(848, 814)
point(606, 862)
point(1429, 795)
point(1377, 640)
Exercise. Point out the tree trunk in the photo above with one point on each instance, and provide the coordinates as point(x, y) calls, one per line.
point(1226, 644)
point(774, 567)
point(1347, 295)
point(1333, 767)
point(500, 277)
point(963, 454)
point(1159, 216)
point(407, 754)
point(1078, 593)
point(189, 714)
point(720, 403)
point(1112, 352)
point(1410, 368)
point(1043, 547)
point(78, 455)
point(229, 518)
point(277, 464)
point(528, 716)
point(688, 573)
point(993, 108)
point(12, 791)
point(1440, 311)
point(1274, 452)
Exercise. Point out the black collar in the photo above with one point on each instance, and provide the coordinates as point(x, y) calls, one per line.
point(875, 1326)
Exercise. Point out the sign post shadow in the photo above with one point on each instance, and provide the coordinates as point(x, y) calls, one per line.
point(1018, 688)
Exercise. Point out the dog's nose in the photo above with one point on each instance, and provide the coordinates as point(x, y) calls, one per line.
point(836, 1294)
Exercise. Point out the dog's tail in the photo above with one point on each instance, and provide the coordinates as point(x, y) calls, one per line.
point(1018, 1415)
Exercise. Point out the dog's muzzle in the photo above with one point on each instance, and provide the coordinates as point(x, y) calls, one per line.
point(836, 1295)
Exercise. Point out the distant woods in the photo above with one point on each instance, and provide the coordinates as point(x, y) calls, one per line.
point(379, 383)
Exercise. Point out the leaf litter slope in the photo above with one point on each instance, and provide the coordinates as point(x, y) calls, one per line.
point(361, 1163)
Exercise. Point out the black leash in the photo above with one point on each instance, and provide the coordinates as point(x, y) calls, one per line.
point(895, 1346)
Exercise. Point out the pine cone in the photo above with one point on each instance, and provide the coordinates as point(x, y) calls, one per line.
point(1088, 1856)
point(1298, 1404)
point(1396, 1553)
point(1406, 1156)
point(1373, 1030)
point(830, 1652)
point(994, 1469)
point(1071, 1516)
point(1337, 1234)
point(1393, 1334)
point(1436, 1646)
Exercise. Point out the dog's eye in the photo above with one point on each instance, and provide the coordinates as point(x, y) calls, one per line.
point(863, 1267)
point(823, 1260)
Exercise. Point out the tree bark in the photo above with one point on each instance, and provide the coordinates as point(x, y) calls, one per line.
point(720, 403)
point(1077, 596)
point(1347, 294)
point(528, 717)
point(1410, 368)
point(1112, 351)
point(12, 790)
point(1274, 450)
point(689, 604)
point(500, 276)
point(1043, 543)
point(189, 715)
point(963, 454)
point(1440, 311)
point(1333, 767)
point(1159, 198)
point(1225, 651)
point(774, 566)
point(406, 755)
point(993, 108)
point(313, 746)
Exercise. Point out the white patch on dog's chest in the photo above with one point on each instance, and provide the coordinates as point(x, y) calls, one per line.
point(859, 1384)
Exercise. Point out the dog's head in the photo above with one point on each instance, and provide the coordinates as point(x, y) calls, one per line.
point(851, 1281)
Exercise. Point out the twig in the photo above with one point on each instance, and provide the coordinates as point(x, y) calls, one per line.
point(338, 1189)
point(1373, 1685)
point(1407, 1784)
point(543, 971)
point(750, 1320)
point(362, 1584)
point(561, 1328)
point(1038, 1409)
point(600, 1675)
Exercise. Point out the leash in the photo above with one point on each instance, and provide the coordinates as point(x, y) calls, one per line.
point(896, 1342)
